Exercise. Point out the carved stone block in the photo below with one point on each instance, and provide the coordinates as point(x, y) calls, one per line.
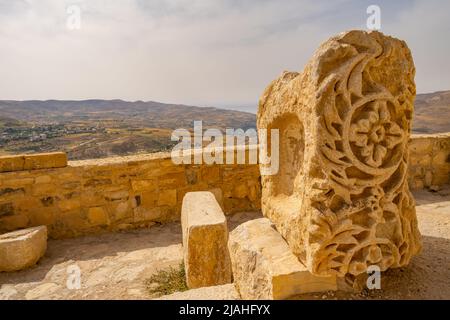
point(264, 267)
point(340, 197)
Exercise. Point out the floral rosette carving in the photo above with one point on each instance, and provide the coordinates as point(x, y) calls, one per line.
point(375, 134)
point(364, 213)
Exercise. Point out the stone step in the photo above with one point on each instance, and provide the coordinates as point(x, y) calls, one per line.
point(265, 268)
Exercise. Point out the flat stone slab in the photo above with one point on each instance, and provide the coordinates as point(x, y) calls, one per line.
point(264, 267)
point(340, 195)
point(22, 248)
point(205, 237)
point(33, 161)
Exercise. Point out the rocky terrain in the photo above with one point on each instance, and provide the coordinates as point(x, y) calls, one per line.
point(432, 112)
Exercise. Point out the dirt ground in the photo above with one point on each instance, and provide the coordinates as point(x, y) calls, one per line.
point(115, 266)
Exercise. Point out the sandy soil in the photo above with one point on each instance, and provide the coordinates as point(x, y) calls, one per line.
point(114, 266)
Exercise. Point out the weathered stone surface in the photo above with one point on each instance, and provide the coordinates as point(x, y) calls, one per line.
point(264, 266)
point(341, 197)
point(97, 216)
point(94, 196)
point(23, 248)
point(45, 161)
point(167, 197)
point(11, 163)
point(205, 237)
point(429, 164)
point(33, 161)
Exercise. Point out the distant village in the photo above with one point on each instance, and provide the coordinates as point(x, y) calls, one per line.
point(39, 133)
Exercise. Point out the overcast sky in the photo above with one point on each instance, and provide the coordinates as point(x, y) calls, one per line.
point(200, 52)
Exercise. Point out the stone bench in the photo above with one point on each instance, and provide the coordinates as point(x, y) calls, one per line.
point(205, 237)
point(265, 268)
point(22, 248)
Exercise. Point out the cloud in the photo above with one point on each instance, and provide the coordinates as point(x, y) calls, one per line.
point(425, 26)
point(201, 52)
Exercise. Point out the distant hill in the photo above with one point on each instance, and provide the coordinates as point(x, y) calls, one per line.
point(432, 112)
point(137, 114)
point(103, 128)
point(10, 122)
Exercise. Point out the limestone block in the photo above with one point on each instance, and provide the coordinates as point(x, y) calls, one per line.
point(205, 237)
point(264, 267)
point(418, 184)
point(69, 204)
point(240, 191)
point(428, 178)
point(97, 216)
point(33, 161)
point(45, 161)
point(146, 215)
point(144, 185)
point(421, 146)
point(18, 183)
point(23, 248)
point(210, 173)
point(11, 163)
point(167, 197)
point(441, 174)
point(43, 179)
point(13, 222)
point(340, 197)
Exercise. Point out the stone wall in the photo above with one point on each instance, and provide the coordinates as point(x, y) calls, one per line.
point(429, 164)
point(93, 196)
point(117, 193)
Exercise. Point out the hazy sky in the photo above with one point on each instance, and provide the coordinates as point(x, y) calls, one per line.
point(201, 52)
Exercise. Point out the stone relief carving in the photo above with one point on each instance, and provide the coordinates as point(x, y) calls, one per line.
point(350, 206)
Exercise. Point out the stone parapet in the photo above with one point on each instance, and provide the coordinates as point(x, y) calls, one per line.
point(429, 164)
point(98, 195)
point(33, 161)
point(94, 196)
